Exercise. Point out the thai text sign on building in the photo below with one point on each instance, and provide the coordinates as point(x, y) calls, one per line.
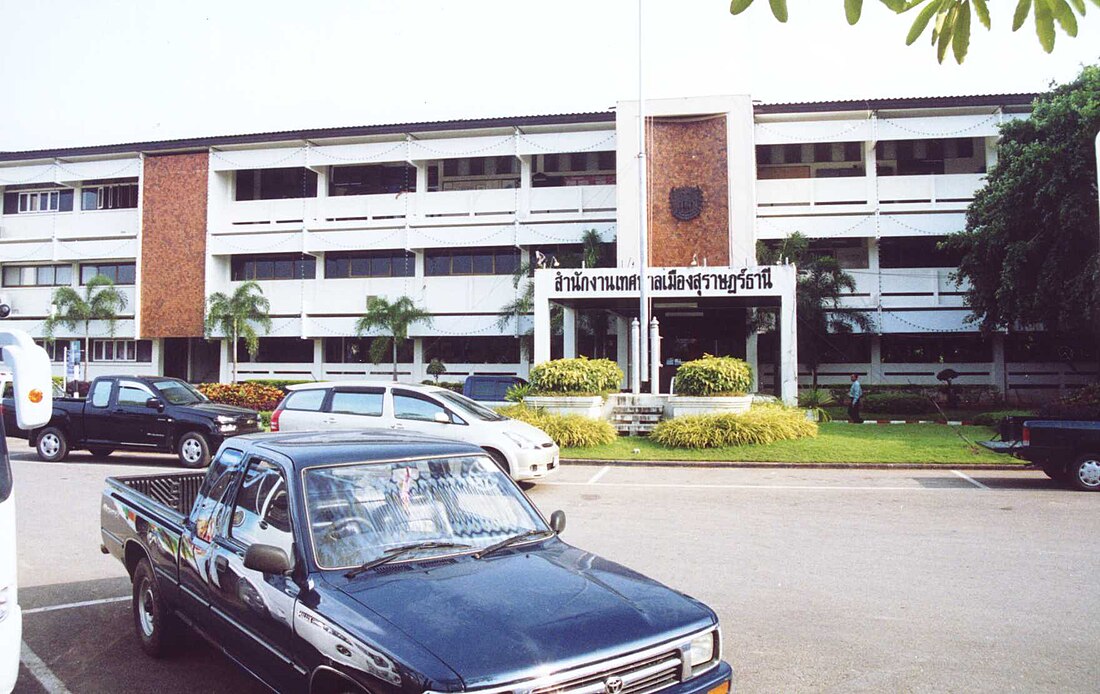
point(767, 280)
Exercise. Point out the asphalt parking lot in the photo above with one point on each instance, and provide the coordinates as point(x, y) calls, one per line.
point(825, 580)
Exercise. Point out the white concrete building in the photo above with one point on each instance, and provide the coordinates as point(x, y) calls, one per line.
point(445, 212)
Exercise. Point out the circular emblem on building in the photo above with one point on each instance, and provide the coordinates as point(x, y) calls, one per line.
point(686, 203)
point(613, 685)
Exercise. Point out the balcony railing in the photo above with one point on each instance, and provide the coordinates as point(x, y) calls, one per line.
point(861, 190)
point(96, 224)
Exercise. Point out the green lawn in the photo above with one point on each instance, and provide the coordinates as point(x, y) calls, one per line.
point(835, 443)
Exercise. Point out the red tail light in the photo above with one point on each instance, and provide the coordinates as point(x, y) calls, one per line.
point(1027, 436)
point(275, 419)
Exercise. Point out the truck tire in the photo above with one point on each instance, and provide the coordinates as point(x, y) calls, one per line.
point(193, 450)
point(52, 445)
point(1084, 473)
point(157, 628)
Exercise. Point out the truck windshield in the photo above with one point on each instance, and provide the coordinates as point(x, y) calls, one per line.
point(471, 407)
point(179, 392)
point(359, 512)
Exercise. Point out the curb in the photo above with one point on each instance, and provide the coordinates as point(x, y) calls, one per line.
point(722, 464)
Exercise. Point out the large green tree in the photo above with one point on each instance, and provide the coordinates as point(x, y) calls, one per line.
point(1029, 252)
point(394, 319)
point(237, 316)
point(821, 288)
point(101, 300)
point(950, 19)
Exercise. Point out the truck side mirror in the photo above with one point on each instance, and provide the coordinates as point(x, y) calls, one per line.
point(267, 559)
point(557, 521)
point(155, 404)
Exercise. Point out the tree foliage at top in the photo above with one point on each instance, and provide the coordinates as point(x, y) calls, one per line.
point(950, 19)
point(822, 285)
point(101, 301)
point(237, 316)
point(1029, 251)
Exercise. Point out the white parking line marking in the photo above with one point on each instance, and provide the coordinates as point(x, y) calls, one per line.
point(799, 487)
point(71, 605)
point(970, 479)
point(49, 681)
point(596, 478)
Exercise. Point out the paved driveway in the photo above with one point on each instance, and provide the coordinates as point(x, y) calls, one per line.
point(825, 580)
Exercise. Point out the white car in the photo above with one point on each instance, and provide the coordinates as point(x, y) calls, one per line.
point(521, 450)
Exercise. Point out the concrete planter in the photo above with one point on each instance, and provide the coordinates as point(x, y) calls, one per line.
point(590, 407)
point(688, 405)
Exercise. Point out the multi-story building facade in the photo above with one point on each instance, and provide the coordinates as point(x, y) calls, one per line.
point(446, 213)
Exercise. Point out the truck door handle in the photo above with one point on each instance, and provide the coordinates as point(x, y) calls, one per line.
point(397, 425)
point(221, 563)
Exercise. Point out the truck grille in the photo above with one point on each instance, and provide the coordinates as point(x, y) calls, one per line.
point(642, 677)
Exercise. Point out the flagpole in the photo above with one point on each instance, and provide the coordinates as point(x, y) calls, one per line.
point(643, 242)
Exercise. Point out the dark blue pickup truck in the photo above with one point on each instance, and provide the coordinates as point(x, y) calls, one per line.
point(1067, 450)
point(138, 413)
point(383, 562)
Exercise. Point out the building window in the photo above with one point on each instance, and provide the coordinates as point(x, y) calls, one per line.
point(276, 184)
point(283, 266)
point(38, 201)
point(118, 273)
point(1031, 347)
point(356, 350)
point(122, 350)
point(474, 173)
point(935, 349)
point(472, 350)
point(37, 275)
point(370, 264)
point(475, 261)
point(58, 348)
point(371, 179)
point(113, 196)
point(278, 350)
point(846, 349)
point(916, 252)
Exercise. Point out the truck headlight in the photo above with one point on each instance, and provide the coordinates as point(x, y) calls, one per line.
point(703, 651)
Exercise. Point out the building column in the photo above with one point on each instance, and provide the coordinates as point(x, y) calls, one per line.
point(225, 369)
point(542, 331)
point(870, 159)
point(753, 359)
point(788, 350)
point(622, 348)
point(998, 375)
point(990, 152)
point(523, 206)
point(875, 376)
point(569, 332)
point(318, 369)
point(418, 367)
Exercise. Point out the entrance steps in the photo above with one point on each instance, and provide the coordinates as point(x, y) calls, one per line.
point(636, 415)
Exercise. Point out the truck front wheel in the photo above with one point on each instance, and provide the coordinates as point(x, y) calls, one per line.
point(52, 445)
point(156, 627)
point(193, 450)
point(1084, 473)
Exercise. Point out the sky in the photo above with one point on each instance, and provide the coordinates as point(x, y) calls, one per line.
point(84, 73)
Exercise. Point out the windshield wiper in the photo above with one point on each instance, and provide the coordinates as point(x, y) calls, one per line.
point(395, 552)
point(511, 541)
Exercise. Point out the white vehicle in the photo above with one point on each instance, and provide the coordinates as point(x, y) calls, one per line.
point(521, 450)
point(29, 368)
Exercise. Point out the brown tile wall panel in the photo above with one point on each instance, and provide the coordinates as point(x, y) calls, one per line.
point(173, 245)
point(688, 153)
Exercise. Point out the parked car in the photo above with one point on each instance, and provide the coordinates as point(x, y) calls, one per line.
point(393, 563)
point(490, 389)
point(1067, 450)
point(520, 449)
point(139, 413)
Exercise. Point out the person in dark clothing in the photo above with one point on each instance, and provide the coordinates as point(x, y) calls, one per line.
point(855, 394)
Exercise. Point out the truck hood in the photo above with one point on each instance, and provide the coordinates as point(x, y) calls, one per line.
point(213, 409)
point(493, 620)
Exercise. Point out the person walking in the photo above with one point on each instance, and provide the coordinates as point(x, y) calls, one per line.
point(855, 394)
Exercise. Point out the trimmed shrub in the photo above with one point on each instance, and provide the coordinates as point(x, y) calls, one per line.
point(517, 392)
point(815, 397)
point(254, 396)
point(568, 431)
point(897, 403)
point(714, 376)
point(265, 420)
point(449, 385)
point(1083, 403)
point(580, 376)
point(760, 425)
point(280, 383)
point(992, 419)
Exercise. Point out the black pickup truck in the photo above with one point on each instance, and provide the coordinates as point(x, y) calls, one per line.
point(1067, 450)
point(137, 413)
point(393, 563)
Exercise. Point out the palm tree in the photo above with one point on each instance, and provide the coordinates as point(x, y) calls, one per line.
point(101, 301)
point(237, 317)
point(394, 319)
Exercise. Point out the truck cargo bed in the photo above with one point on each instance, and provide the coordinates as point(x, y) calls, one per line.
point(174, 490)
